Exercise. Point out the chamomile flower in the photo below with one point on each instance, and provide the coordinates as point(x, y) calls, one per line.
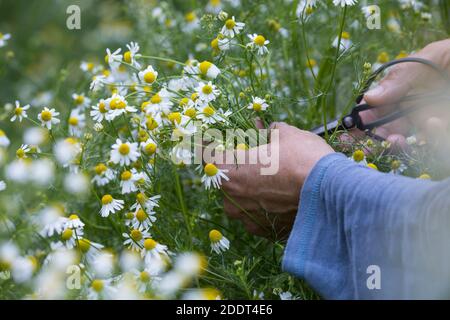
point(344, 3)
point(258, 104)
point(100, 289)
point(103, 175)
point(4, 39)
point(48, 117)
point(87, 66)
point(258, 43)
point(207, 91)
point(142, 218)
point(209, 115)
point(397, 167)
point(208, 69)
point(359, 157)
point(159, 104)
point(346, 43)
point(192, 22)
point(129, 180)
point(232, 28)
point(20, 112)
point(89, 248)
point(21, 153)
point(69, 236)
point(118, 105)
point(76, 123)
point(132, 54)
point(149, 75)
point(213, 176)
point(153, 250)
point(74, 222)
point(149, 147)
point(80, 100)
point(113, 58)
point(134, 240)
point(124, 153)
point(51, 220)
point(98, 82)
point(143, 201)
point(110, 205)
point(219, 243)
point(99, 111)
point(4, 141)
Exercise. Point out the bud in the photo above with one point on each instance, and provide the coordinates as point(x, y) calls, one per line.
point(88, 136)
point(98, 127)
point(222, 16)
point(367, 67)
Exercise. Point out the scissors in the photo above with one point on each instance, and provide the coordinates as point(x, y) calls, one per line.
point(353, 119)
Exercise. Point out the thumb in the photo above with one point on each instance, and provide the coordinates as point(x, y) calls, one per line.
point(395, 86)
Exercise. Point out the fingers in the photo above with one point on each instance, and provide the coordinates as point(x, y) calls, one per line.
point(393, 87)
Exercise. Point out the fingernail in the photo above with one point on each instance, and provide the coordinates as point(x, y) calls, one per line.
point(375, 91)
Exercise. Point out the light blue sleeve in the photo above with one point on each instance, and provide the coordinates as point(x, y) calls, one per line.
point(354, 221)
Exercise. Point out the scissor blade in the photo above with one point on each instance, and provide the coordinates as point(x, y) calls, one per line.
point(331, 126)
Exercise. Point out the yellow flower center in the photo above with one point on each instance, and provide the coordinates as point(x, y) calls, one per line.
point(18, 111)
point(207, 89)
point(20, 153)
point(395, 164)
point(215, 44)
point(102, 107)
point(383, 57)
point(79, 99)
point(204, 67)
point(311, 63)
point(425, 176)
point(372, 166)
point(141, 198)
point(194, 96)
point(67, 234)
point(259, 40)
point(150, 244)
point(150, 148)
point(190, 16)
point(229, 24)
point(358, 155)
point(46, 115)
point(144, 276)
point(90, 66)
point(107, 199)
point(136, 235)
point(97, 285)
point(126, 175)
point(209, 111)
point(141, 215)
point(114, 103)
point(127, 57)
point(84, 245)
point(215, 235)
point(73, 217)
point(156, 99)
point(151, 123)
point(257, 106)
point(73, 121)
point(149, 77)
point(242, 146)
point(124, 149)
point(191, 112)
point(345, 35)
point(174, 117)
point(210, 169)
point(100, 168)
point(184, 101)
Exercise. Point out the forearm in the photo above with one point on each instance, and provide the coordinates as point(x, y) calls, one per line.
point(352, 217)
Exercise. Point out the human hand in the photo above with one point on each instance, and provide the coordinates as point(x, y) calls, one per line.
point(407, 79)
point(267, 204)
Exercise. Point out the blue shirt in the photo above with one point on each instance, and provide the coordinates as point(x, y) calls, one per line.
point(363, 234)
